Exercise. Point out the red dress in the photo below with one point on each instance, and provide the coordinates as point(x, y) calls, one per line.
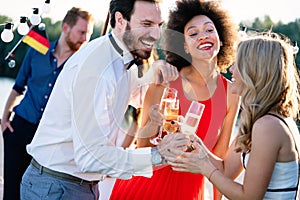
point(166, 184)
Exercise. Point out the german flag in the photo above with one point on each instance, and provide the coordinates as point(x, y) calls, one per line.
point(38, 40)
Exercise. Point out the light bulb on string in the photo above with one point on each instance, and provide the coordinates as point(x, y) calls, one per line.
point(295, 47)
point(242, 32)
point(12, 63)
point(23, 28)
point(42, 26)
point(35, 19)
point(46, 7)
point(7, 34)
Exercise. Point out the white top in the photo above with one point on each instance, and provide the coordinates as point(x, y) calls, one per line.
point(78, 131)
point(282, 181)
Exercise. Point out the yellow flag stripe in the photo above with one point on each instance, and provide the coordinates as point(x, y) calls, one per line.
point(36, 45)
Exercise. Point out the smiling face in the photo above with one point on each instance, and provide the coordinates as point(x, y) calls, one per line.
point(143, 29)
point(201, 38)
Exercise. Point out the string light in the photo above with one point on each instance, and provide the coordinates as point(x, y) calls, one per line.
point(46, 7)
point(242, 32)
point(295, 47)
point(23, 28)
point(7, 34)
point(12, 63)
point(35, 18)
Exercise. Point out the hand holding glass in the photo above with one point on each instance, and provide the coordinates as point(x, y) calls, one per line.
point(168, 98)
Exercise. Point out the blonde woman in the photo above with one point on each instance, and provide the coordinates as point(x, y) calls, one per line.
point(267, 145)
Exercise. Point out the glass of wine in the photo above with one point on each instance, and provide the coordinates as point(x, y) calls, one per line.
point(192, 118)
point(171, 114)
point(168, 98)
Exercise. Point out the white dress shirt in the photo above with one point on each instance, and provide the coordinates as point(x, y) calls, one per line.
point(79, 128)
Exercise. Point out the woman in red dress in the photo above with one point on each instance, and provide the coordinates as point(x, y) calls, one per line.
point(200, 43)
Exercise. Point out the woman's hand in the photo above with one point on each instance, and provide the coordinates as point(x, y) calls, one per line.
point(173, 142)
point(154, 122)
point(164, 72)
point(196, 161)
point(156, 117)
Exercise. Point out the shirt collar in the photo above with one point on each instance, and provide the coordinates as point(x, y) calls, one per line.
point(53, 46)
point(126, 55)
point(52, 50)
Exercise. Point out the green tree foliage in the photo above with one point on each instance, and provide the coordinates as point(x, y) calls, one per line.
point(291, 30)
point(53, 29)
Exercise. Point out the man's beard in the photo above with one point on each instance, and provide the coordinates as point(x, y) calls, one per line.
point(73, 46)
point(129, 40)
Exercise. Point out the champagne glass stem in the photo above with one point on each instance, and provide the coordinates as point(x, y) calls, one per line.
point(157, 139)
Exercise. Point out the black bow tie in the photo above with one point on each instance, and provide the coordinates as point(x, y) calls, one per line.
point(136, 61)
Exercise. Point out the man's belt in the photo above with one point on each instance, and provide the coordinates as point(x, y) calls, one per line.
point(60, 175)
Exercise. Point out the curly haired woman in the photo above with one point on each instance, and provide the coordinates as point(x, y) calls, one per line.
point(200, 40)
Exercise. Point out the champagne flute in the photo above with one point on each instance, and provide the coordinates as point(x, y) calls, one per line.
point(171, 114)
point(192, 118)
point(169, 96)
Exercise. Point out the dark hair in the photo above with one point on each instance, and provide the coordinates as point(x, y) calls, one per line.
point(72, 16)
point(187, 9)
point(125, 7)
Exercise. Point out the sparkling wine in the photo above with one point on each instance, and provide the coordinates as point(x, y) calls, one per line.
point(170, 115)
point(190, 123)
point(192, 118)
point(166, 103)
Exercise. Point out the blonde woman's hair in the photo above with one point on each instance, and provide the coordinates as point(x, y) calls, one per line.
point(270, 82)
